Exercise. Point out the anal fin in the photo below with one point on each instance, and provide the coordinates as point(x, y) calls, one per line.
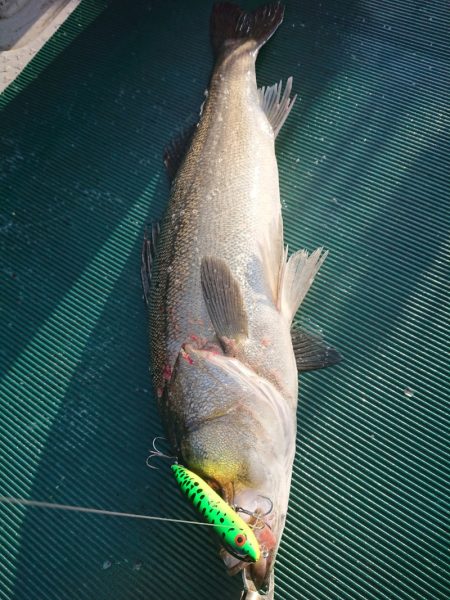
point(312, 352)
point(276, 106)
point(223, 299)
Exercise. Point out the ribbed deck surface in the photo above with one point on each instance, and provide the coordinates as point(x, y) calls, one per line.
point(364, 168)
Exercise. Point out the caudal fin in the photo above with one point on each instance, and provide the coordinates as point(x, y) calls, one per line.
point(231, 26)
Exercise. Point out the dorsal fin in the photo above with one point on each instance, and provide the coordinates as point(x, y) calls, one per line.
point(176, 149)
point(296, 277)
point(151, 235)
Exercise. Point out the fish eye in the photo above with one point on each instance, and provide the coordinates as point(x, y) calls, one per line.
point(240, 540)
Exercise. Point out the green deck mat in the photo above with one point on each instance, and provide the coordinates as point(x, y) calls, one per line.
point(364, 169)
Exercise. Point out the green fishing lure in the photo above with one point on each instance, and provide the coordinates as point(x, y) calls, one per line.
point(234, 533)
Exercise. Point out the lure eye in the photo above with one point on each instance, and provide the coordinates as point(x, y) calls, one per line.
point(240, 540)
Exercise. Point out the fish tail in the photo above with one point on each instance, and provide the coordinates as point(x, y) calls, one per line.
point(231, 26)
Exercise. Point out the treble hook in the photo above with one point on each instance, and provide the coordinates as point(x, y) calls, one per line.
point(259, 517)
point(259, 521)
point(271, 506)
point(157, 453)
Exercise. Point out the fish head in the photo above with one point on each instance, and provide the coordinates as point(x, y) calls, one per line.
point(237, 432)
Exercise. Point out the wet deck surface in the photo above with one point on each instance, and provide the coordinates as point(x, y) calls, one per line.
point(364, 169)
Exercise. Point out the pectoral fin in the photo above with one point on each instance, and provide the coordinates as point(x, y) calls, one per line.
point(223, 300)
point(312, 352)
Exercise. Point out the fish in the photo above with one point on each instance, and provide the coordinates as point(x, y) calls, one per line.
point(223, 291)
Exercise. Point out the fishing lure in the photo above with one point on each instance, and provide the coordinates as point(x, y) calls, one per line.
point(234, 533)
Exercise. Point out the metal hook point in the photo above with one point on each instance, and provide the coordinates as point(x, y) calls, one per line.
point(271, 506)
point(157, 453)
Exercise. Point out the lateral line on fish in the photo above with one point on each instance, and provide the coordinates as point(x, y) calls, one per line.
point(98, 511)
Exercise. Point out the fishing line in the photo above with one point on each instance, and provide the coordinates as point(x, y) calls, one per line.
point(97, 511)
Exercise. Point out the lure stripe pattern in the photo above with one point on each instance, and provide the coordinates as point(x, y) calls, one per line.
point(234, 533)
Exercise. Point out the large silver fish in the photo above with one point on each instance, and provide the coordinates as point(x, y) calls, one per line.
point(223, 295)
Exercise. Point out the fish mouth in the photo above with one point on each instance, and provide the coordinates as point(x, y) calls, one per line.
point(257, 575)
point(242, 558)
point(260, 572)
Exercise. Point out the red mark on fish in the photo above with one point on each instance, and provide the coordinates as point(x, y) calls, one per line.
point(266, 538)
point(167, 372)
point(213, 349)
point(186, 356)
